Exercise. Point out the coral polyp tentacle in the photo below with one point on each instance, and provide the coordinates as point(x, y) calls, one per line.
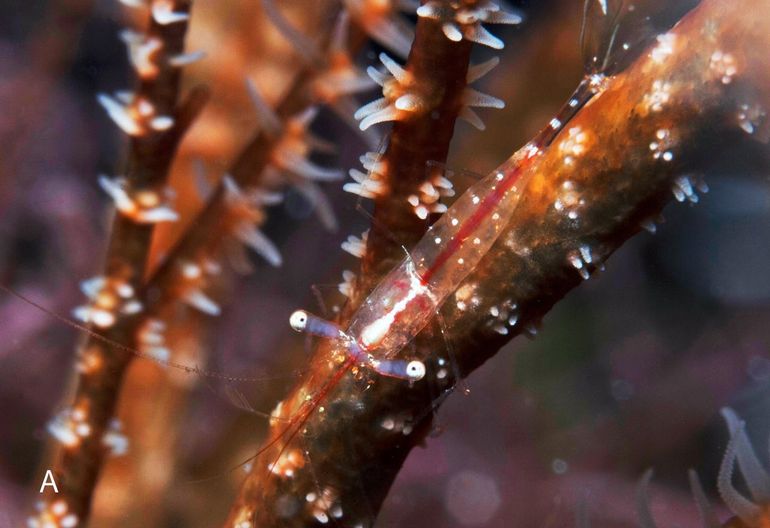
point(463, 20)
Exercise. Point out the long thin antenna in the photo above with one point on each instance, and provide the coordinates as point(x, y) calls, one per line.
point(125, 348)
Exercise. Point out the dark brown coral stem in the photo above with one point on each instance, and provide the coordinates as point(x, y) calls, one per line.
point(76, 463)
point(607, 173)
point(438, 68)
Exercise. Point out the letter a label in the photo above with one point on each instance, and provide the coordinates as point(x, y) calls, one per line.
point(48, 480)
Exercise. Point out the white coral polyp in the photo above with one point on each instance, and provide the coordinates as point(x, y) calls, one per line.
point(463, 20)
point(399, 101)
point(144, 207)
point(108, 299)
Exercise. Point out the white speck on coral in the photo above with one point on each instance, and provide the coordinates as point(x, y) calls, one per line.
point(114, 439)
point(151, 341)
point(661, 147)
point(664, 47)
point(658, 96)
point(724, 66)
point(649, 225)
point(574, 144)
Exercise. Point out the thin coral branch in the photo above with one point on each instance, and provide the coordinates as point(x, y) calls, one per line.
point(156, 121)
point(280, 144)
point(191, 273)
point(618, 162)
point(423, 99)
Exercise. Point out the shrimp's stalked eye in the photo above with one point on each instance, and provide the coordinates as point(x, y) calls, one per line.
point(415, 370)
point(298, 320)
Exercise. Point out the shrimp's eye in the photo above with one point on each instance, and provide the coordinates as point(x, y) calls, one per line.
point(415, 370)
point(298, 320)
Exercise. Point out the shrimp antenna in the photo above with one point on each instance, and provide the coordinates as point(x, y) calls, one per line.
point(125, 348)
point(615, 28)
point(583, 26)
point(591, 63)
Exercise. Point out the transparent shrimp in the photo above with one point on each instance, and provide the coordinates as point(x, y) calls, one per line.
point(410, 295)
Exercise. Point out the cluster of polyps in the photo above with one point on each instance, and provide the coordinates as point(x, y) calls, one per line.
point(324, 504)
point(473, 98)
point(109, 297)
point(658, 96)
point(466, 295)
point(136, 116)
point(662, 145)
point(429, 193)
point(245, 212)
point(53, 515)
point(292, 149)
point(370, 184)
point(750, 117)
point(383, 22)
point(340, 77)
point(574, 144)
point(114, 440)
point(403, 96)
point(71, 425)
point(581, 259)
point(503, 315)
point(89, 360)
point(346, 287)
point(569, 200)
point(724, 66)
point(684, 188)
point(144, 206)
point(356, 246)
point(463, 19)
point(151, 341)
point(289, 157)
point(288, 463)
point(193, 280)
point(143, 52)
point(398, 424)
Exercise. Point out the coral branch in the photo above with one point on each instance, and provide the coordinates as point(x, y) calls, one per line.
point(612, 168)
point(423, 99)
point(156, 122)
